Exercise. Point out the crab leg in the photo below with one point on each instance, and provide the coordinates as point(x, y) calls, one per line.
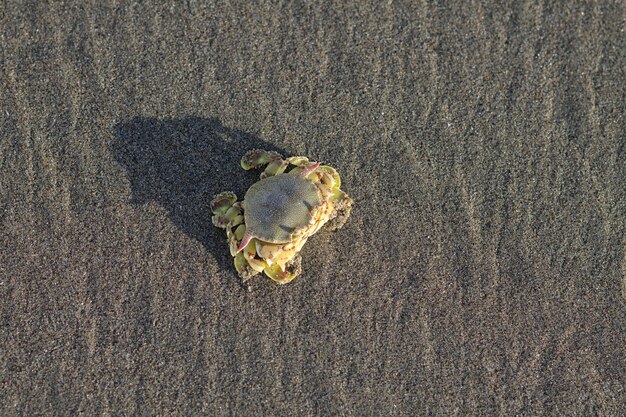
point(257, 158)
point(226, 210)
point(276, 165)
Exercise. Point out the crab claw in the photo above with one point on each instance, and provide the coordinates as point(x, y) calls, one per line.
point(307, 170)
point(247, 237)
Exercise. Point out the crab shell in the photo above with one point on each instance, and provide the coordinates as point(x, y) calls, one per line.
point(279, 213)
point(276, 209)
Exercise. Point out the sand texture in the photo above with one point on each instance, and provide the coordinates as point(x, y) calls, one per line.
point(482, 269)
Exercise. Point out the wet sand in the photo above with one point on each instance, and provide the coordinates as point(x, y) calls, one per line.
point(482, 270)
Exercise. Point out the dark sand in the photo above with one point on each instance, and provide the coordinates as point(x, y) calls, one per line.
point(482, 270)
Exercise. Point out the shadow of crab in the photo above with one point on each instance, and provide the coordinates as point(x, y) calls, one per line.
point(181, 164)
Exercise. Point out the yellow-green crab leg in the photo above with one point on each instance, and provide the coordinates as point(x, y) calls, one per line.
point(225, 210)
point(276, 164)
point(257, 158)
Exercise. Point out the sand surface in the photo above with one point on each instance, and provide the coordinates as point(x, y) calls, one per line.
point(482, 270)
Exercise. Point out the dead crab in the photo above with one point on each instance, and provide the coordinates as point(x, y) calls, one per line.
point(279, 213)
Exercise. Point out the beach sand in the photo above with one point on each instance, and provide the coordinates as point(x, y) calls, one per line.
point(482, 270)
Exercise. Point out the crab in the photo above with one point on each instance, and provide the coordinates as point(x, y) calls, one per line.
point(293, 199)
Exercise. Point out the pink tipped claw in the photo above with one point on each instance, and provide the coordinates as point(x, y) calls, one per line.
point(247, 237)
point(306, 171)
